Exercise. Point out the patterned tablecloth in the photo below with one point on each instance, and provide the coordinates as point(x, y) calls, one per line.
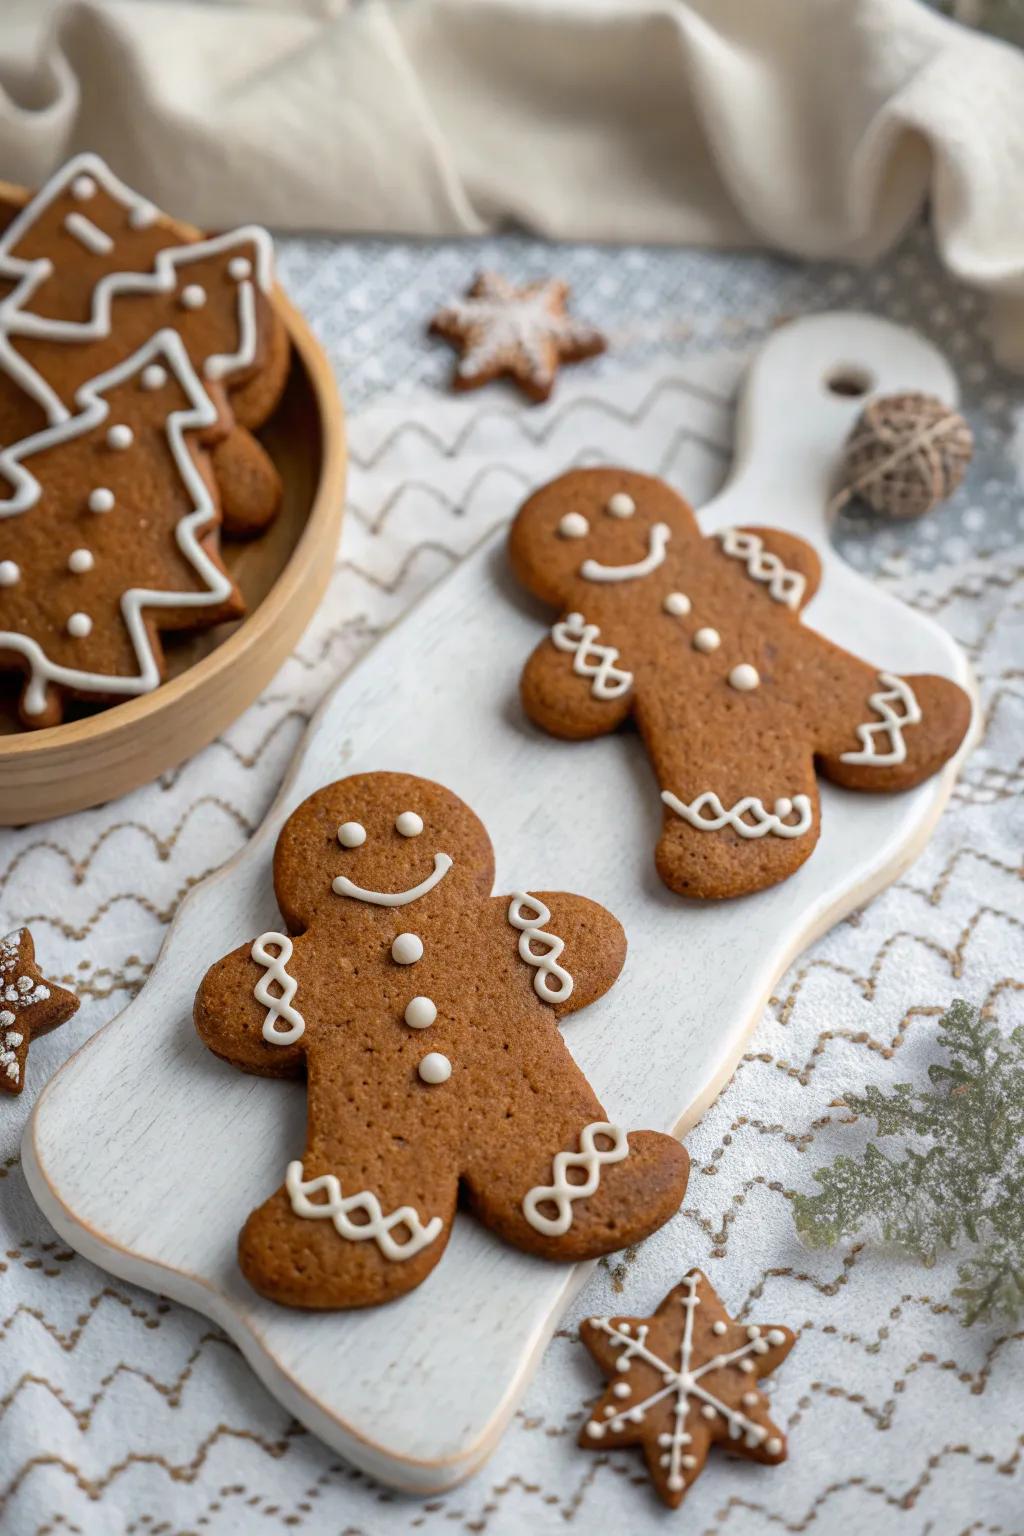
point(122, 1413)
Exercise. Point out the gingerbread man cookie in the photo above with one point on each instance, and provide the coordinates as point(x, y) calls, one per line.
point(108, 535)
point(29, 1006)
point(424, 1013)
point(91, 271)
point(700, 641)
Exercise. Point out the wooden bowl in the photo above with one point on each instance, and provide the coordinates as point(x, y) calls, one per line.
point(214, 674)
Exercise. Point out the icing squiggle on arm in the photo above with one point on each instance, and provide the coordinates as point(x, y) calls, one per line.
point(552, 983)
point(561, 1193)
point(784, 585)
point(893, 694)
point(574, 634)
point(278, 1006)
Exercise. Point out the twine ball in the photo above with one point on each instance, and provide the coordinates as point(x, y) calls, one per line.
point(905, 454)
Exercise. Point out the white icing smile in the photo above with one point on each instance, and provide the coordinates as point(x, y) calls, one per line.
point(593, 570)
point(343, 886)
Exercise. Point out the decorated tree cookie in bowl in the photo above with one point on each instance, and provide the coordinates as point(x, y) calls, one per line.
point(424, 1013)
point(700, 641)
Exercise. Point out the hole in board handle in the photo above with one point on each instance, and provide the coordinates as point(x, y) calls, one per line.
point(849, 381)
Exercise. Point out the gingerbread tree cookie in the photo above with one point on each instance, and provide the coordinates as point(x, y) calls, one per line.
point(424, 1013)
point(526, 333)
point(682, 1380)
point(95, 272)
point(108, 529)
point(700, 641)
point(29, 1006)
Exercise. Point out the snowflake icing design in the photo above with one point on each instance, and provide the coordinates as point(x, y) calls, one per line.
point(525, 332)
point(676, 1410)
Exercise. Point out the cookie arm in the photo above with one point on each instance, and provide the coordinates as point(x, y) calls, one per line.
point(592, 952)
point(557, 686)
point(883, 732)
point(229, 1017)
point(788, 566)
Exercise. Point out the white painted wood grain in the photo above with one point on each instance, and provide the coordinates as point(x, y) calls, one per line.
point(146, 1153)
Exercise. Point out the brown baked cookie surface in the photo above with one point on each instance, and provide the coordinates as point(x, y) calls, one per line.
point(29, 1006)
point(424, 1013)
point(700, 641)
point(681, 1381)
point(89, 271)
point(108, 535)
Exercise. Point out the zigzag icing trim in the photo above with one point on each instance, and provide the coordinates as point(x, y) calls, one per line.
point(784, 585)
point(894, 692)
point(561, 1193)
point(552, 982)
point(377, 1226)
point(574, 634)
point(763, 823)
point(278, 1006)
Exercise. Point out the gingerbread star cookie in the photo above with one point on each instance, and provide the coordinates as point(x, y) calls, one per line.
point(422, 1012)
point(682, 1379)
point(524, 333)
point(29, 1006)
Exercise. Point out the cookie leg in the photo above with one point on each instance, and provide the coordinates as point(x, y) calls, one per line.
point(735, 820)
point(584, 1191)
point(340, 1235)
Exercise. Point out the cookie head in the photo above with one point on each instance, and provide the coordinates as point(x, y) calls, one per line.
point(596, 527)
point(379, 841)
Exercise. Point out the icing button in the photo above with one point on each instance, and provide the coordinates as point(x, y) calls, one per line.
point(80, 561)
point(435, 1068)
point(192, 296)
point(621, 505)
point(119, 436)
point(79, 625)
point(101, 500)
point(677, 604)
point(707, 640)
point(420, 1012)
point(744, 677)
point(153, 376)
point(351, 834)
point(407, 949)
point(574, 526)
point(10, 574)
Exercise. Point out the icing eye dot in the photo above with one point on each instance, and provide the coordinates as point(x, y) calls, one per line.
point(621, 505)
point(119, 436)
point(192, 297)
point(80, 561)
point(10, 574)
point(744, 677)
point(420, 1012)
point(79, 625)
point(677, 604)
point(82, 188)
point(239, 267)
point(351, 834)
point(407, 949)
point(409, 824)
point(574, 526)
point(435, 1068)
point(153, 377)
point(101, 500)
point(707, 640)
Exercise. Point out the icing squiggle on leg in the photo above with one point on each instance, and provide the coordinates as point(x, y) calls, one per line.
point(764, 821)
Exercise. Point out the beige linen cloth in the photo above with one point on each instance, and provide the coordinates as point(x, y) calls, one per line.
point(818, 127)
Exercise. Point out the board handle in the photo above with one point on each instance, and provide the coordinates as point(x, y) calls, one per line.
point(802, 394)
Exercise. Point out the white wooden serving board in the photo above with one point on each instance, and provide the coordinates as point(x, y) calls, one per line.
point(147, 1154)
